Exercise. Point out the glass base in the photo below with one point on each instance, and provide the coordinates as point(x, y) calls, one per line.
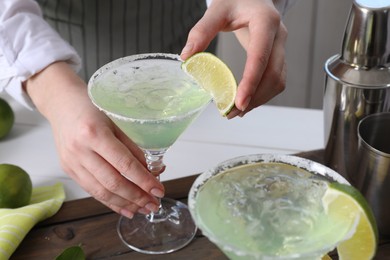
point(167, 231)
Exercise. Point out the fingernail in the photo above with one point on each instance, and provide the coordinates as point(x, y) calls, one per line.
point(246, 102)
point(233, 113)
point(127, 213)
point(187, 48)
point(152, 207)
point(144, 211)
point(242, 114)
point(157, 192)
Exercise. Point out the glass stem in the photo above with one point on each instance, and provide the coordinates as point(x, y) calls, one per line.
point(154, 160)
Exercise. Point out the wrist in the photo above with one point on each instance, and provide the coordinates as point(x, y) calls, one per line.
point(54, 87)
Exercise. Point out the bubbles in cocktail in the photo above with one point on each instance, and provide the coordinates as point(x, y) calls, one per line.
point(149, 92)
point(273, 202)
point(159, 99)
point(271, 208)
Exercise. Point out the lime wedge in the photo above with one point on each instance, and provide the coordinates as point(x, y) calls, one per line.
point(342, 202)
point(214, 76)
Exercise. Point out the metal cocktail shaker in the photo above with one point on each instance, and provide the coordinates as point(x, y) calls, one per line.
point(357, 82)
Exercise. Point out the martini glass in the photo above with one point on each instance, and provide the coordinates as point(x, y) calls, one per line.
point(268, 207)
point(152, 101)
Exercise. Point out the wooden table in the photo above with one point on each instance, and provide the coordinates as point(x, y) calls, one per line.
point(88, 223)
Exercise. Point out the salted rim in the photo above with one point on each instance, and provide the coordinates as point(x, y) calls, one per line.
point(119, 62)
point(305, 164)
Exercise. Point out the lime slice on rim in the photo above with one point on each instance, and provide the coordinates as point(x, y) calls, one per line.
point(342, 202)
point(214, 76)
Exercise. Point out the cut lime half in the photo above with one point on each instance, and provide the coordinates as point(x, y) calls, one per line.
point(214, 76)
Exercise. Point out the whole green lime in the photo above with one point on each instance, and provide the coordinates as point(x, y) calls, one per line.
point(15, 186)
point(7, 118)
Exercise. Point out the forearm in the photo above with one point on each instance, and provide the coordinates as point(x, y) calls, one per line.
point(56, 87)
point(27, 46)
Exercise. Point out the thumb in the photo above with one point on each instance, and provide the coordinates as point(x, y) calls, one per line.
point(204, 32)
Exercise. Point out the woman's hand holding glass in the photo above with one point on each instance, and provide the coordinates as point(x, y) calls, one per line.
point(92, 150)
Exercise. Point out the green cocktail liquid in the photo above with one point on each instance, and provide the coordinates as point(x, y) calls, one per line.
point(152, 101)
point(268, 209)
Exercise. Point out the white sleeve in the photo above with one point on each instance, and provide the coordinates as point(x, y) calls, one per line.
point(27, 45)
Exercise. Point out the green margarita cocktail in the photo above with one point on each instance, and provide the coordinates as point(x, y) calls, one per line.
point(153, 101)
point(268, 207)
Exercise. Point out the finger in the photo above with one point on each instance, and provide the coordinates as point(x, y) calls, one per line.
point(127, 212)
point(269, 89)
point(134, 149)
point(261, 97)
point(233, 113)
point(262, 33)
point(116, 183)
point(204, 30)
point(276, 61)
point(119, 156)
point(274, 77)
point(97, 190)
